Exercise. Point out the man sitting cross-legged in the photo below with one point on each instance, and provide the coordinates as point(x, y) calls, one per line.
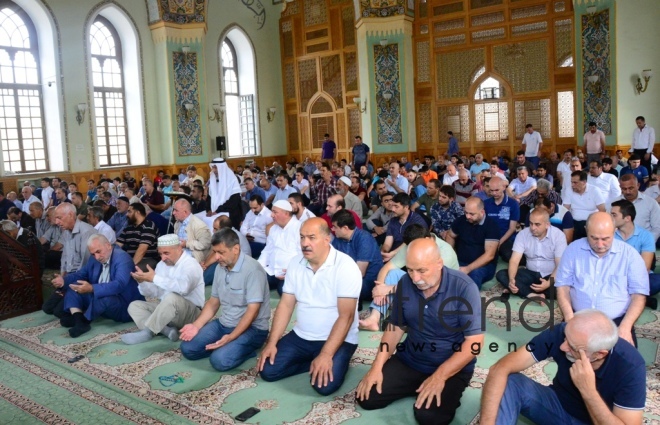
point(103, 287)
point(240, 287)
point(440, 309)
point(600, 377)
point(325, 284)
point(177, 282)
point(542, 245)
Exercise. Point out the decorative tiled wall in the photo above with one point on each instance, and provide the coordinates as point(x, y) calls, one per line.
point(423, 62)
point(186, 90)
point(424, 115)
point(454, 71)
point(596, 57)
point(331, 78)
point(386, 64)
point(523, 65)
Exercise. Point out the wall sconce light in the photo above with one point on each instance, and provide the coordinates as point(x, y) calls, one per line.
point(646, 74)
point(387, 96)
point(595, 85)
point(384, 42)
point(270, 113)
point(80, 113)
point(218, 112)
point(358, 102)
point(187, 110)
point(592, 17)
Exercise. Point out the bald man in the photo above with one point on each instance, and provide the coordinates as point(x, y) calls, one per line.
point(194, 234)
point(429, 366)
point(326, 284)
point(603, 273)
point(600, 377)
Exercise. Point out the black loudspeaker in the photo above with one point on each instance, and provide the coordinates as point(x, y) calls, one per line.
point(221, 143)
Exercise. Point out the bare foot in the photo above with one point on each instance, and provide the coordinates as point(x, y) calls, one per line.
point(537, 298)
point(369, 325)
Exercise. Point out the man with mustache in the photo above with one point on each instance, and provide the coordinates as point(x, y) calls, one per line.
point(326, 284)
point(428, 364)
point(600, 377)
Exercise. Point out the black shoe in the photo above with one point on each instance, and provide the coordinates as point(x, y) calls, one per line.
point(67, 320)
point(81, 325)
point(652, 303)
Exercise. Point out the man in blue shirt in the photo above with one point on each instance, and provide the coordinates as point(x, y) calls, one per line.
point(402, 217)
point(634, 167)
point(452, 149)
point(474, 236)
point(506, 212)
point(360, 154)
point(623, 212)
point(360, 246)
point(600, 377)
point(328, 149)
point(440, 309)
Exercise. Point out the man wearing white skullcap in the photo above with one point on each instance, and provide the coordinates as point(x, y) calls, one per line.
point(224, 192)
point(282, 244)
point(179, 285)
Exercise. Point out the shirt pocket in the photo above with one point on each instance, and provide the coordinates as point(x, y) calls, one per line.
point(236, 296)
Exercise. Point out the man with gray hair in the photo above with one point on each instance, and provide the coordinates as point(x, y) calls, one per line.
point(543, 190)
point(240, 291)
point(95, 218)
point(178, 284)
point(600, 377)
point(28, 198)
point(75, 254)
point(103, 287)
point(26, 238)
point(194, 234)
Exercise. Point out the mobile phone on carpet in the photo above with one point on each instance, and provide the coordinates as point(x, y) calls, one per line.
point(244, 416)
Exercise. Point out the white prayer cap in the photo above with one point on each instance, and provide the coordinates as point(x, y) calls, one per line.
point(283, 205)
point(345, 180)
point(168, 240)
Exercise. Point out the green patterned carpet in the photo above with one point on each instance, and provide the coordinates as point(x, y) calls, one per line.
point(151, 383)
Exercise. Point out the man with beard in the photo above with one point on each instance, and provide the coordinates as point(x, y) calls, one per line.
point(600, 377)
point(438, 373)
point(139, 239)
point(425, 202)
point(352, 202)
point(445, 211)
point(475, 237)
point(224, 194)
point(298, 206)
point(119, 219)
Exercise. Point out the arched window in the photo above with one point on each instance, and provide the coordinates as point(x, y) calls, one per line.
point(22, 128)
point(109, 103)
point(239, 89)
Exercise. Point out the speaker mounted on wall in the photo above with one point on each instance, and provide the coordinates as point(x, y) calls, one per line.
point(221, 143)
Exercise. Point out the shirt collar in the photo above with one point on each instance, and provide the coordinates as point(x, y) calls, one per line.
point(330, 260)
point(617, 246)
point(238, 264)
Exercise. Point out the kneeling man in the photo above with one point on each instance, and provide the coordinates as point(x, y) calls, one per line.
point(441, 310)
point(601, 377)
point(240, 290)
point(103, 287)
point(326, 285)
point(178, 283)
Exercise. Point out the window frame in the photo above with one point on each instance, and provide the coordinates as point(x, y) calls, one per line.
point(119, 57)
point(15, 87)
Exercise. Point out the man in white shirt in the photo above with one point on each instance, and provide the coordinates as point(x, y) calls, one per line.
point(563, 176)
point(95, 218)
point(254, 225)
point(643, 140)
point(46, 192)
point(352, 202)
point(178, 283)
point(522, 185)
point(396, 183)
point(28, 198)
point(606, 182)
point(450, 176)
point(583, 201)
point(532, 142)
point(298, 206)
point(282, 244)
point(325, 283)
